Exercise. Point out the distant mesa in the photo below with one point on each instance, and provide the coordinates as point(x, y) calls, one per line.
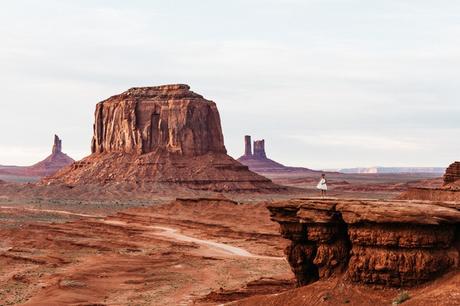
point(49, 166)
point(258, 161)
point(449, 191)
point(160, 135)
point(393, 170)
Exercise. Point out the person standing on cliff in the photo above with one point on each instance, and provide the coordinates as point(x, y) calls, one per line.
point(322, 185)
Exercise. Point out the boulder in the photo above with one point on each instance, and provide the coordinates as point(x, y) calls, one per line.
point(452, 173)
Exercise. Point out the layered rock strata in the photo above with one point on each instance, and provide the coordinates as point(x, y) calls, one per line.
point(163, 134)
point(391, 243)
point(452, 173)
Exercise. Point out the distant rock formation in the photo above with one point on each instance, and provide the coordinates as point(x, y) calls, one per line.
point(53, 163)
point(50, 165)
point(164, 134)
point(431, 170)
point(259, 149)
point(258, 161)
point(390, 243)
point(452, 173)
point(449, 191)
point(247, 146)
point(57, 146)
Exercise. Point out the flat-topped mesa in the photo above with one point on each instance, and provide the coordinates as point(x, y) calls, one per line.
point(452, 173)
point(149, 136)
point(392, 243)
point(170, 118)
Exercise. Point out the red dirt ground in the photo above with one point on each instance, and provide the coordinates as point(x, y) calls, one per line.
point(112, 249)
point(124, 260)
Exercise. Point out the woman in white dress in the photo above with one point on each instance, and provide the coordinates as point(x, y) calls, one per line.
point(322, 185)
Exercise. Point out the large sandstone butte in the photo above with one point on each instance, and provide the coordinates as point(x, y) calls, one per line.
point(50, 165)
point(392, 243)
point(164, 134)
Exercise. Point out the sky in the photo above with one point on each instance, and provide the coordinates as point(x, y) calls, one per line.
point(326, 83)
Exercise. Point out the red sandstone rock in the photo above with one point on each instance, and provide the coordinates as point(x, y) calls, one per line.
point(165, 134)
point(452, 173)
point(170, 118)
point(394, 243)
point(247, 146)
point(259, 149)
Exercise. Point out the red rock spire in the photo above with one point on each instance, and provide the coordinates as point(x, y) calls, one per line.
point(57, 147)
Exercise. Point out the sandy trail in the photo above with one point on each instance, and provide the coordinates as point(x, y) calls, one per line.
point(60, 212)
point(170, 254)
point(216, 248)
point(167, 232)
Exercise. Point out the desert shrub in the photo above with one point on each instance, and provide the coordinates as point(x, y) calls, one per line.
point(401, 298)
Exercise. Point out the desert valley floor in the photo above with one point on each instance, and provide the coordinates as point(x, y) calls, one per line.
point(202, 248)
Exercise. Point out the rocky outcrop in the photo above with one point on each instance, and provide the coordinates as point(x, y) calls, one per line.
point(53, 163)
point(164, 134)
point(392, 243)
point(452, 173)
point(449, 191)
point(170, 118)
point(50, 165)
point(247, 146)
point(57, 146)
point(259, 149)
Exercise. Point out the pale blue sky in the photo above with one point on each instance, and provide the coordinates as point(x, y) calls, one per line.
point(327, 83)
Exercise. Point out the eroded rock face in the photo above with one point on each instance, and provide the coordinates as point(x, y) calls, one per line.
point(57, 146)
point(170, 118)
point(164, 134)
point(392, 243)
point(247, 146)
point(259, 149)
point(452, 173)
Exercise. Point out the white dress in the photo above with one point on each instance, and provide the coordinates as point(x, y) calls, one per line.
point(322, 184)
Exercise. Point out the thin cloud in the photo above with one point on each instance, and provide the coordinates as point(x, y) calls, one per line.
point(383, 73)
point(358, 142)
